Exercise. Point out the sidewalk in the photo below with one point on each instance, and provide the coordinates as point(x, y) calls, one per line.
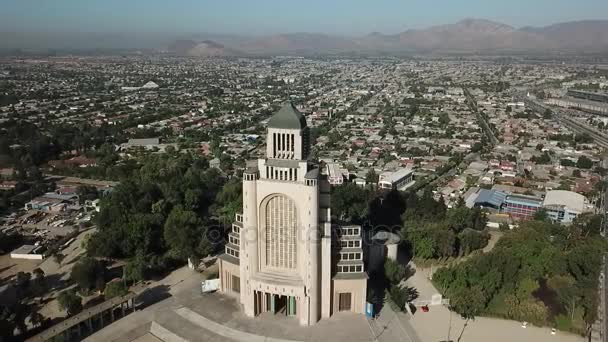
point(392, 326)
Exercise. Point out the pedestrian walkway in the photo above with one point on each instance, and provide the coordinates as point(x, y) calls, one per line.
point(223, 330)
point(391, 326)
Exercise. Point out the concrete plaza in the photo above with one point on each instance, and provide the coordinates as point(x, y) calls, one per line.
point(185, 314)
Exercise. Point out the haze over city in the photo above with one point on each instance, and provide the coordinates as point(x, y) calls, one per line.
point(304, 171)
point(346, 17)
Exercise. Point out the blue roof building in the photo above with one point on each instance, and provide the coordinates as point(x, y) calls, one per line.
point(490, 199)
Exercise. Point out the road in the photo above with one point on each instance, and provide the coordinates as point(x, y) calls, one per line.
point(563, 116)
point(482, 120)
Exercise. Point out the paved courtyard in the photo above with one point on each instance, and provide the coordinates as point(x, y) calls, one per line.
point(187, 315)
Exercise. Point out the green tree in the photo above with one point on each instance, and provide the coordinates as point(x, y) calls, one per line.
point(584, 162)
point(565, 288)
point(541, 215)
point(350, 203)
point(468, 302)
point(86, 192)
point(88, 273)
point(184, 232)
point(135, 269)
point(371, 177)
point(394, 272)
point(115, 289)
point(69, 302)
point(228, 201)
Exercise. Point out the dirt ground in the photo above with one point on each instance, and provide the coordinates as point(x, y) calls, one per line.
point(10, 267)
point(56, 274)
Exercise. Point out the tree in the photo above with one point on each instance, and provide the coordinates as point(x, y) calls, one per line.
point(39, 285)
point(58, 257)
point(36, 319)
point(183, 233)
point(88, 273)
point(444, 119)
point(394, 272)
point(69, 302)
point(401, 296)
point(371, 177)
point(228, 201)
point(567, 162)
point(86, 192)
point(565, 288)
point(425, 248)
point(350, 203)
point(583, 138)
point(541, 215)
point(584, 163)
point(115, 289)
point(135, 269)
point(468, 302)
point(471, 240)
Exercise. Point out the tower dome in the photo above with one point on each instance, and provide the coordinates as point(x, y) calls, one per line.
point(288, 117)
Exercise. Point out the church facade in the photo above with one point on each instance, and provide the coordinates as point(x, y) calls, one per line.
point(283, 254)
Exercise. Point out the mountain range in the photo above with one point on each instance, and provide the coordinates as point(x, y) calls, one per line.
point(466, 36)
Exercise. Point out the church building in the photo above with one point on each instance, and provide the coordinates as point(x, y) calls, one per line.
point(283, 254)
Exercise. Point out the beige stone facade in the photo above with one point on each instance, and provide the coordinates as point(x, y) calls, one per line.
point(280, 257)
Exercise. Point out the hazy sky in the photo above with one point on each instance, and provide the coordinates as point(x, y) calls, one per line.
point(273, 16)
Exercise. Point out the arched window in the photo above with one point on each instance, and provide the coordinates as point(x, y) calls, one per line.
point(281, 221)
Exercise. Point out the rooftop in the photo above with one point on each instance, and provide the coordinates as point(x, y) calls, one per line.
point(288, 117)
point(569, 199)
point(492, 197)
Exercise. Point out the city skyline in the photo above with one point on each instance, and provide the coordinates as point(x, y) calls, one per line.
point(272, 16)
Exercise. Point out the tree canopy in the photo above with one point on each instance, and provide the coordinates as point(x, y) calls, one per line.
point(539, 272)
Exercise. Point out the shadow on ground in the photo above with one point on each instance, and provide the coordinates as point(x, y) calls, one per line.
point(152, 296)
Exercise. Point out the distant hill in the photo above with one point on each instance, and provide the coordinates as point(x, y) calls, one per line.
point(471, 35)
point(577, 34)
point(468, 35)
point(465, 36)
